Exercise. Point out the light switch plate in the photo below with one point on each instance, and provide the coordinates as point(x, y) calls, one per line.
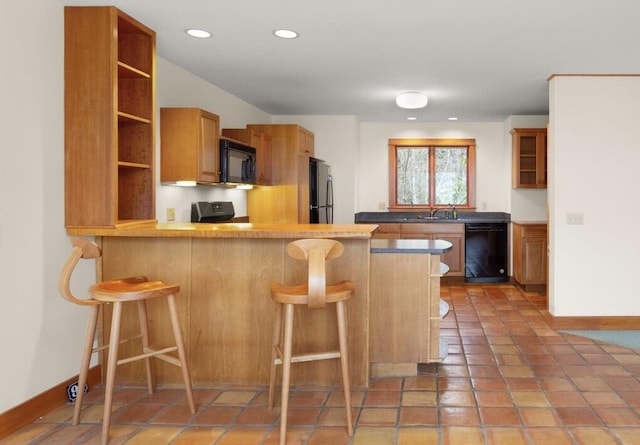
point(575, 218)
point(171, 214)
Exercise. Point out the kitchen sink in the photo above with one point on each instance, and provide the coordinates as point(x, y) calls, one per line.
point(423, 218)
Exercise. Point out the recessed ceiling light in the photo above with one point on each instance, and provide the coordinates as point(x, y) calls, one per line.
point(285, 33)
point(412, 118)
point(199, 33)
point(452, 118)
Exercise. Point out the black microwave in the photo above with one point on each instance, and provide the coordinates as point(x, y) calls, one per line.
point(237, 162)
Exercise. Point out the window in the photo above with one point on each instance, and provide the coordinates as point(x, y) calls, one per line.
point(431, 173)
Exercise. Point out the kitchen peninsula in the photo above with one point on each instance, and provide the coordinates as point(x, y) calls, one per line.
point(225, 272)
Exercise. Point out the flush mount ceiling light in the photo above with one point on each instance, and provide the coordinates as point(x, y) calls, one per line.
point(199, 33)
point(285, 33)
point(412, 100)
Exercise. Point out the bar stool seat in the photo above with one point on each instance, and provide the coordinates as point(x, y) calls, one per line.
point(116, 292)
point(315, 294)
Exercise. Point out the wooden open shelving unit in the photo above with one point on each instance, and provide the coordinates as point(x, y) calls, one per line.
point(109, 118)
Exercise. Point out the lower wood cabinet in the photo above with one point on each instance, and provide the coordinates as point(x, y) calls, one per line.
point(530, 254)
point(452, 232)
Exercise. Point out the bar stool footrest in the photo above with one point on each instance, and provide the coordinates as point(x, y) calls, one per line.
point(161, 354)
point(309, 357)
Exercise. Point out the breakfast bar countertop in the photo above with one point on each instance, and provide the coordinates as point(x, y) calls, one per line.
point(229, 230)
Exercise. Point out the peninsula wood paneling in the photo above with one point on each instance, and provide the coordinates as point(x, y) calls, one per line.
point(405, 315)
point(164, 259)
point(227, 311)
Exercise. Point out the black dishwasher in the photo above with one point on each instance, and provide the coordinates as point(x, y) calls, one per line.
point(485, 250)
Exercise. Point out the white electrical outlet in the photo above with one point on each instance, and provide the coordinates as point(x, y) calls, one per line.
point(171, 214)
point(575, 218)
point(382, 206)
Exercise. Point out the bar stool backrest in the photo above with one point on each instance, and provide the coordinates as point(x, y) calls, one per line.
point(81, 249)
point(316, 252)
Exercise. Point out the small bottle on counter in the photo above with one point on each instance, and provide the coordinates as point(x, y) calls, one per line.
point(454, 213)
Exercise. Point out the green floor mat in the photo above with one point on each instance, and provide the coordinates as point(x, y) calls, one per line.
point(628, 339)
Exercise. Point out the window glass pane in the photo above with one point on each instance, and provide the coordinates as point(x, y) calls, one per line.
point(451, 175)
point(412, 173)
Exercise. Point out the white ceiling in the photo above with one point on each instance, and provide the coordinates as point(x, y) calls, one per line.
point(478, 60)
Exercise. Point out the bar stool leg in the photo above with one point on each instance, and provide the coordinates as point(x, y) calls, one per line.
point(144, 331)
point(90, 336)
point(277, 332)
point(112, 363)
point(344, 362)
point(184, 366)
point(286, 370)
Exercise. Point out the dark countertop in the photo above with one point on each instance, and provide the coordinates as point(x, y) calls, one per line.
point(423, 217)
point(436, 247)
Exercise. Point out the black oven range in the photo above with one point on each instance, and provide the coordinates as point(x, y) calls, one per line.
point(212, 212)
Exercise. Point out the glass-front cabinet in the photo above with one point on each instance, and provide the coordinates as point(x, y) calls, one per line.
point(529, 157)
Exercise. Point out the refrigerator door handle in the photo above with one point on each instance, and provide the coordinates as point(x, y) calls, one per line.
point(330, 191)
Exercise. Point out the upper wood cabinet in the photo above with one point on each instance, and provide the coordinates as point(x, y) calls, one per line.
point(529, 157)
point(262, 142)
point(288, 202)
point(530, 254)
point(109, 94)
point(306, 142)
point(189, 145)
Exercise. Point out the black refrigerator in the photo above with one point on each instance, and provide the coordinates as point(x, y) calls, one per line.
point(320, 193)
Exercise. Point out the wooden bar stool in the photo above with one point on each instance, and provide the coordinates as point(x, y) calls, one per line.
point(315, 294)
point(117, 292)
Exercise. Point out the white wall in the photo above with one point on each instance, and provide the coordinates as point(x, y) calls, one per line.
point(38, 335)
point(493, 181)
point(593, 169)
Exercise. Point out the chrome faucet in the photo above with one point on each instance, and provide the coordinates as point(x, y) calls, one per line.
point(432, 212)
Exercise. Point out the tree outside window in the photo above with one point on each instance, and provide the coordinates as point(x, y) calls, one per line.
point(426, 173)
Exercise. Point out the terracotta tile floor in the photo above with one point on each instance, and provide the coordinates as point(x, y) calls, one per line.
point(508, 379)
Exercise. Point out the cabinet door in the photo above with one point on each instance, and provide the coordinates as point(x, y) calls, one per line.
point(265, 161)
point(455, 257)
point(535, 260)
point(306, 142)
point(529, 158)
point(189, 145)
point(208, 155)
point(530, 254)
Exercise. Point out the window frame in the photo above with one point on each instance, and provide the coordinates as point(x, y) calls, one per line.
point(470, 144)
